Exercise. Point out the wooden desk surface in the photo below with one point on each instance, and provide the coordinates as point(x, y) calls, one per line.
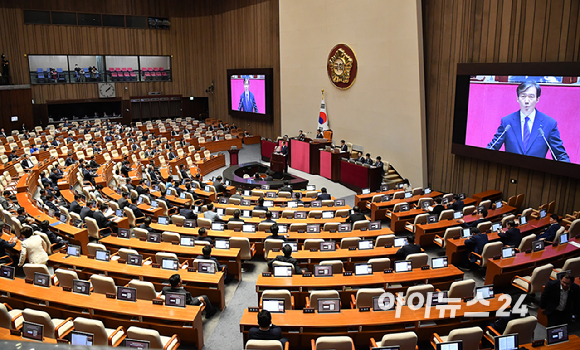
point(5, 335)
point(378, 210)
point(401, 218)
point(573, 342)
point(281, 209)
point(257, 220)
point(340, 254)
point(376, 278)
point(489, 194)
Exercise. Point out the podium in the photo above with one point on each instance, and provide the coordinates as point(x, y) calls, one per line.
point(234, 156)
point(330, 162)
point(278, 162)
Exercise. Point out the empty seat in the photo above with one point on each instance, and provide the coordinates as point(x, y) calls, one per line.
point(470, 336)
point(101, 336)
point(155, 340)
point(405, 340)
point(534, 283)
point(339, 342)
point(103, 284)
point(145, 290)
point(524, 327)
point(279, 294)
point(10, 318)
point(364, 297)
point(461, 289)
point(418, 259)
point(54, 328)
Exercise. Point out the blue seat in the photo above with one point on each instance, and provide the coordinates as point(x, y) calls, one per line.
point(87, 74)
point(40, 75)
point(60, 74)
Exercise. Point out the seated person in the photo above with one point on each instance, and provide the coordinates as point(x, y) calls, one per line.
point(187, 212)
point(236, 217)
point(133, 206)
point(301, 136)
point(438, 208)
point(219, 187)
point(550, 234)
point(75, 207)
point(343, 146)
point(357, 216)
point(457, 204)
point(52, 237)
point(206, 251)
point(410, 248)
point(319, 134)
point(368, 159)
point(211, 214)
point(266, 330)
point(101, 219)
point(202, 236)
point(238, 194)
point(286, 187)
point(475, 243)
point(360, 157)
point(146, 225)
point(269, 217)
point(176, 287)
point(5, 257)
point(512, 237)
point(482, 218)
point(287, 257)
point(260, 205)
point(88, 210)
point(274, 235)
point(323, 195)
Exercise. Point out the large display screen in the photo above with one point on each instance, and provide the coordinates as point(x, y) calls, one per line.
point(522, 114)
point(248, 93)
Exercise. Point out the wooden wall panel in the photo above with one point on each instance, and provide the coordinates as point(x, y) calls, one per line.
point(206, 38)
point(472, 31)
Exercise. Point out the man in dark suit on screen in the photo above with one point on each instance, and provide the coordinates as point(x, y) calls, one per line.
point(560, 300)
point(247, 100)
point(529, 131)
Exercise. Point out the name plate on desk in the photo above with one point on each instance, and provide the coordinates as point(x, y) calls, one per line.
point(253, 309)
point(156, 265)
point(313, 249)
point(537, 343)
point(364, 228)
point(90, 256)
point(351, 248)
point(143, 239)
point(268, 231)
point(66, 289)
point(496, 257)
point(307, 274)
point(157, 302)
point(114, 234)
point(175, 242)
point(275, 250)
point(528, 251)
point(111, 295)
point(425, 267)
point(300, 231)
point(28, 280)
point(191, 269)
point(456, 237)
point(266, 274)
point(332, 231)
point(388, 246)
point(308, 310)
point(347, 273)
point(15, 332)
point(364, 309)
point(388, 271)
point(121, 261)
point(237, 229)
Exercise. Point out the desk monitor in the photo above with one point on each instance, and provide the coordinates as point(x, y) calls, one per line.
point(313, 228)
point(400, 185)
point(123, 233)
point(268, 204)
point(282, 228)
point(153, 237)
point(81, 287)
point(523, 220)
point(339, 202)
point(63, 218)
point(382, 306)
point(51, 213)
point(222, 244)
point(119, 213)
point(508, 252)
point(275, 215)
point(563, 238)
point(386, 197)
point(293, 245)
point(466, 233)
point(328, 305)
point(283, 271)
point(438, 298)
point(221, 211)
point(543, 213)
point(227, 182)
point(206, 267)
point(365, 244)
point(223, 200)
point(403, 266)
point(154, 204)
point(140, 200)
point(33, 331)
point(399, 242)
point(217, 226)
point(557, 334)
point(247, 193)
point(485, 292)
point(250, 228)
point(496, 226)
point(537, 245)
point(182, 195)
point(384, 188)
point(316, 204)
point(404, 207)
point(507, 342)
point(207, 188)
point(451, 345)
point(81, 338)
point(498, 204)
point(408, 195)
point(134, 259)
point(187, 241)
point(265, 187)
point(169, 264)
point(274, 305)
point(41, 279)
point(437, 263)
point(127, 294)
point(444, 200)
point(7, 272)
point(163, 220)
point(457, 215)
point(73, 250)
point(270, 194)
point(375, 225)
point(328, 214)
point(310, 187)
point(363, 269)
point(175, 299)
point(427, 205)
point(366, 191)
point(245, 202)
point(322, 270)
point(329, 246)
point(102, 255)
point(432, 219)
point(345, 227)
point(136, 344)
point(77, 223)
point(300, 215)
point(246, 213)
point(168, 192)
point(427, 190)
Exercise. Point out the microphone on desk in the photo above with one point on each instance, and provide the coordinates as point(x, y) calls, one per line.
point(546, 141)
point(500, 136)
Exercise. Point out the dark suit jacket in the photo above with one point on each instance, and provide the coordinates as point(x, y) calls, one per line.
point(406, 250)
point(140, 190)
point(75, 207)
point(86, 211)
point(476, 244)
point(284, 150)
point(297, 268)
point(274, 333)
point(248, 104)
point(511, 237)
point(54, 178)
point(189, 300)
point(125, 170)
point(550, 233)
point(551, 298)
point(457, 205)
point(188, 214)
point(344, 148)
point(437, 210)
point(258, 207)
point(324, 196)
point(536, 145)
point(3, 245)
point(102, 221)
point(356, 217)
point(136, 211)
point(475, 223)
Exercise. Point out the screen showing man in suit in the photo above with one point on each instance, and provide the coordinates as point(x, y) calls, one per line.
point(543, 126)
point(248, 93)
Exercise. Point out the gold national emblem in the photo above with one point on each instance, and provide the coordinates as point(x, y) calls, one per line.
point(342, 66)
